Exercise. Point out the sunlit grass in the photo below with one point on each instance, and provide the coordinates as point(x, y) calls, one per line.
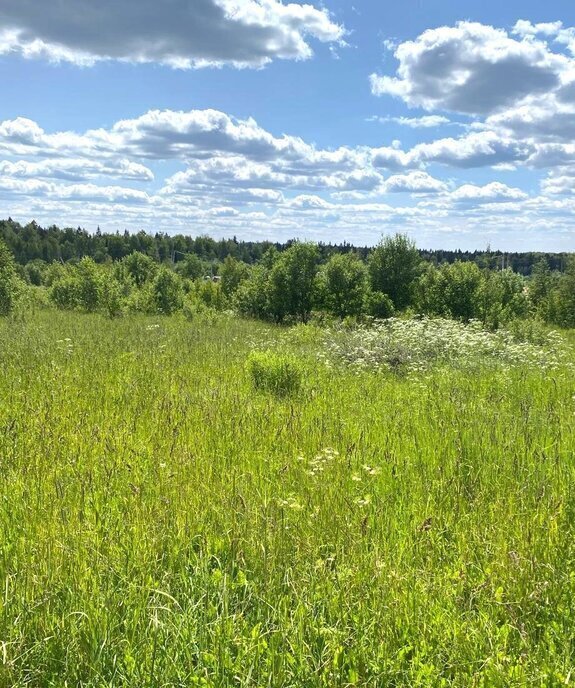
point(165, 523)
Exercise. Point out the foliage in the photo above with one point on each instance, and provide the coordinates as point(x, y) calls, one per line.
point(192, 267)
point(394, 266)
point(64, 292)
point(210, 294)
point(33, 242)
point(291, 282)
point(233, 272)
point(252, 297)
point(166, 292)
point(379, 305)
point(137, 267)
point(463, 291)
point(274, 372)
point(342, 285)
point(565, 303)
point(8, 281)
point(502, 298)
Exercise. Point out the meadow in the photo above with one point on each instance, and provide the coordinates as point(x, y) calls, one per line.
point(164, 522)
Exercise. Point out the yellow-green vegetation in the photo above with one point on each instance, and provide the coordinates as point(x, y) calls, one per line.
point(163, 522)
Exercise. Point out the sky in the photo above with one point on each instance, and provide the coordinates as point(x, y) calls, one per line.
point(451, 121)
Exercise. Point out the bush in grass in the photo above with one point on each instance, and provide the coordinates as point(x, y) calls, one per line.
point(274, 372)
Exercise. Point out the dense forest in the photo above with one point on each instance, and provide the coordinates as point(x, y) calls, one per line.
point(282, 283)
point(33, 242)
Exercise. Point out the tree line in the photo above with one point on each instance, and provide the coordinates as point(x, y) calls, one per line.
point(32, 242)
point(296, 284)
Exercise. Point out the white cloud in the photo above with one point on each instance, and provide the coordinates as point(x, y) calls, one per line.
point(425, 122)
point(471, 68)
point(478, 149)
point(553, 155)
point(526, 28)
point(191, 34)
point(173, 135)
point(490, 193)
point(548, 119)
point(307, 202)
point(561, 182)
point(236, 177)
point(76, 169)
point(72, 192)
point(414, 182)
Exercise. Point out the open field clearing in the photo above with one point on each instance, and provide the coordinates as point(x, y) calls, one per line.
point(163, 522)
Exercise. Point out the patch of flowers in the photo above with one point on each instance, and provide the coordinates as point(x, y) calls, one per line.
point(418, 344)
point(321, 460)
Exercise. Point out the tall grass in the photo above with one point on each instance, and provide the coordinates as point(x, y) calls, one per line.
point(162, 523)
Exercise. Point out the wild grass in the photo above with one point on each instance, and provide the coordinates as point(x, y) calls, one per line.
point(274, 372)
point(163, 523)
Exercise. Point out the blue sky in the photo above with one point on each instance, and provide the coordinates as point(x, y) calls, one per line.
point(453, 122)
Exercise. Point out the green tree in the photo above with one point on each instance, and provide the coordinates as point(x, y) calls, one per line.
point(429, 292)
point(210, 294)
point(565, 315)
point(540, 283)
point(342, 285)
point(192, 267)
point(8, 281)
point(167, 292)
point(502, 298)
point(450, 291)
point(233, 272)
point(113, 295)
point(89, 285)
point(292, 281)
point(139, 268)
point(461, 283)
point(35, 272)
point(252, 296)
point(64, 291)
point(394, 266)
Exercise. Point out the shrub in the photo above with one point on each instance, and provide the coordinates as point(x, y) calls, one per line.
point(273, 372)
point(8, 281)
point(379, 305)
point(167, 292)
point(65, 292)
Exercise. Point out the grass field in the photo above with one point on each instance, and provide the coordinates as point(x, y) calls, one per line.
point(163, 523)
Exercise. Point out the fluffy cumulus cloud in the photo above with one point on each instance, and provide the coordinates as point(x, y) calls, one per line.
point(75, 169)
point(477, 149)
point(232, 176)
point(473, 69)
point(490, 193)
point(190, 34)
point(418, 182)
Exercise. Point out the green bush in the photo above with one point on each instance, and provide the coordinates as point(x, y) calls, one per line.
point(8, 281)
point(379, 305)
point(167, 292)
point(65, 292)
point(273, 372)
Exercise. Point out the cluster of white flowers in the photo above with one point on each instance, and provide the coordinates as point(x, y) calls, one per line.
point(66, 345)
point(321, 460)
point(418, 344)
point(290, 503)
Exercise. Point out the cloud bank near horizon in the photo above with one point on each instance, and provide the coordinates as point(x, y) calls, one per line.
point(510, 94)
